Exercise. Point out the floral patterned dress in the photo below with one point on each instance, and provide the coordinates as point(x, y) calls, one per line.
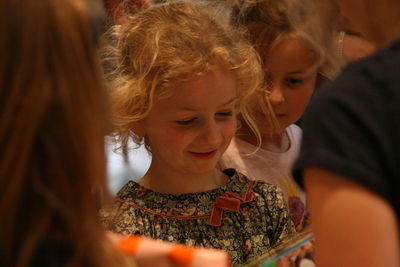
point(245, 218)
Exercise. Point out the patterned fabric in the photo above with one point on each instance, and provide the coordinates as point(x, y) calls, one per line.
point(245, 218)
point(271, 167)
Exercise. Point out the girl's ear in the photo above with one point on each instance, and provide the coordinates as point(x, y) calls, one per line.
point(139, 128)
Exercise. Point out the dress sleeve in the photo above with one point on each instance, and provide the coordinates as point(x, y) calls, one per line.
point(281, 224)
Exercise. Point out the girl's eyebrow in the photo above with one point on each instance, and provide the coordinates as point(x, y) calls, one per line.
point(301, 72)
point(230, 101)
point(308, 70)
point(297, 72)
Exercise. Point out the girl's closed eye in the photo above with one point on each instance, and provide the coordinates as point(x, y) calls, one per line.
point(186, 121)
point(190, 121)
point(225, 113)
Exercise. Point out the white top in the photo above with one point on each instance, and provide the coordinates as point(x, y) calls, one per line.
point(120, 170)
point(272, 167)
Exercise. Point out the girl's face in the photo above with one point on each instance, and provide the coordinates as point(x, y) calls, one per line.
point(290, 69)
point(190, 130)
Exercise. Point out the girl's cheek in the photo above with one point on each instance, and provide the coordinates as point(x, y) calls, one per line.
point(230, 128)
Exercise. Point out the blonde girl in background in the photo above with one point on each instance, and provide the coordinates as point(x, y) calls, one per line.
point(183, 75)
point(292, 63)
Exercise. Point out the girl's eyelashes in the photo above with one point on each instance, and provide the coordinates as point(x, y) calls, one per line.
point(291, 81)
point(193, 120)
point(185, 122)
point(226, 113)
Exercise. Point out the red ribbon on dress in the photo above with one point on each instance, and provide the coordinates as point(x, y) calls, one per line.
point(229, 201)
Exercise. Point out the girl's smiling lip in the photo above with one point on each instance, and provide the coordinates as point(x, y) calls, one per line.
point(204, 155)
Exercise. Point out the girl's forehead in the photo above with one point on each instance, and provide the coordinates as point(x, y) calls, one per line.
point(291, 38)
point(211, 74)
point(214, 87)
point(288, 46)
point(291, 55)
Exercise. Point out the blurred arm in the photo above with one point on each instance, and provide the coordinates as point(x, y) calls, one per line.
point(352, 225)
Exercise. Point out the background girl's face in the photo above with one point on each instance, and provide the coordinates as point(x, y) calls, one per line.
point(190, 130)
point(290, 69)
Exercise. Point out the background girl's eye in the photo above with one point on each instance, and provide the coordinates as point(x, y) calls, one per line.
point(293, 81)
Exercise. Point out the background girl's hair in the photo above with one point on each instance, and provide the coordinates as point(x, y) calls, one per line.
point(316, 20)
point(267, 21)
point(53, 119)
point(168, 44)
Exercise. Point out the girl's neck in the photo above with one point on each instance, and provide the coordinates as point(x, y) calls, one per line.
point(171, 182)
point(278, 143)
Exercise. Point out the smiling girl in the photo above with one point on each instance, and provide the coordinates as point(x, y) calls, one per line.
point(183, 77)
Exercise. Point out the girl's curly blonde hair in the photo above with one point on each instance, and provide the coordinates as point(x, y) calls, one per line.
point(168, 44)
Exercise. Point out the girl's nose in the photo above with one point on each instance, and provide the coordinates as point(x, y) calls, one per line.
point(275, 96)
point(211, 133)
